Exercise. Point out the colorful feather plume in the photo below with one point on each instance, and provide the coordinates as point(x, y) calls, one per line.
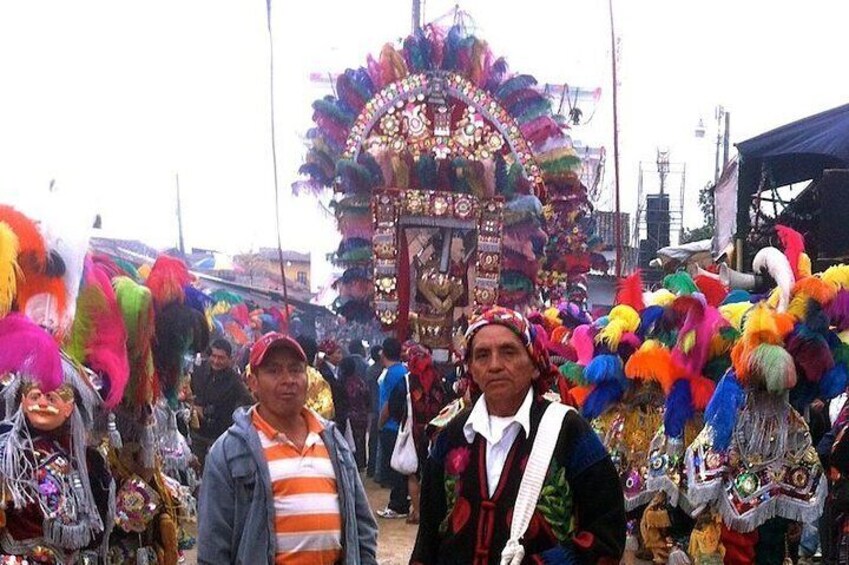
point(701, 391)
point(603, 395)
point(180, 331)
point(834, 382)
point(9, 269)
point(574, 373)
point(838, 310)
point(794, 246)
point(648, 320)
point(621, 320)
point(814, 288)
point(582, 341)
point(32, 251)
point(99, 340)
point(680, 283)
point(136, 304)
point(723, 409)
point(771, 368)
point(810, 352)
point(653, 362)
point(604, 368)
point(713, 290)
point(30, 352)
point(45, 294)
point(694, 338)
point(678, 409)
point(837, 275)
point(166, 281)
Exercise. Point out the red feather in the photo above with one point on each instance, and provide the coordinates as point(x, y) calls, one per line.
point(167, 279)
point(794, 245)
point(701, 390)
point(714, 291)
point(630, 292)
point(32, 253)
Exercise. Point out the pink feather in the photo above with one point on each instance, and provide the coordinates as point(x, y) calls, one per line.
point(29, 351)
point(794, 245)
point(540, 129)
point(582, 341)
point(374, 72)
point(240, 314)
point(696, 333)
point(106, 353)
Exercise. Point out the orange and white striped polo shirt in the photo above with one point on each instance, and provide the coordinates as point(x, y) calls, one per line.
point(308, 519)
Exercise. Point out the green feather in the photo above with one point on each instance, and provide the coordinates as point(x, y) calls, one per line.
point(573, 373)
point(772, 368)
point(679, 283)
point(226, 296)
point(90, 302)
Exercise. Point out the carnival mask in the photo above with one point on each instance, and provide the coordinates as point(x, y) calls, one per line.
point(47, 412)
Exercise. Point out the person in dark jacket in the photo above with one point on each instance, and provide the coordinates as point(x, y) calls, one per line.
point(372, 376)
point(218, 390)
point(476, 465)
point(359, 403)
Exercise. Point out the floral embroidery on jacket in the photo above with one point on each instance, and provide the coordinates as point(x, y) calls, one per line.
point(456, 463)
point(555, 502)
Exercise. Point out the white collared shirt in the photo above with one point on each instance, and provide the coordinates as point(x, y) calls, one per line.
point(499, 433)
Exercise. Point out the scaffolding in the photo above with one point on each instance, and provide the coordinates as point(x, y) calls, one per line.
point(659, 220)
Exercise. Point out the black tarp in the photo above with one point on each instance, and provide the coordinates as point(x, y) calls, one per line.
point(792, 153)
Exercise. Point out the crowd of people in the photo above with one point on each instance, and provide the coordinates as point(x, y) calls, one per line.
point(692, 423)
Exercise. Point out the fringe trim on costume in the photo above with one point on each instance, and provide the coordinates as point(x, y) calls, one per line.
point(16, 468)
point(805, 512)
point(641, 499)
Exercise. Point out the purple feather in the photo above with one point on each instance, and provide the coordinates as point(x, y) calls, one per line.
point(838, 310)
point(29, 351)
point(810, 352)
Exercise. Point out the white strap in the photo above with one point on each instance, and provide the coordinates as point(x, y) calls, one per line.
point(535, 471)
point(409, 422)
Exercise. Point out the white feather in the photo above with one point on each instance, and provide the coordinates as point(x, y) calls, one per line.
point(774, 262)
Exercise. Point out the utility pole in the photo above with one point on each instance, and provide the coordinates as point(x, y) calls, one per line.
point(180, 244)
point(274, 163)
point(417, 15)
point(617, 219)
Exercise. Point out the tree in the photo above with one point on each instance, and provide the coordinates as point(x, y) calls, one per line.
point(707, 229)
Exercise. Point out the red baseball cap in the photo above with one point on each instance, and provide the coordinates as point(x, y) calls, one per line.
point(271, 340)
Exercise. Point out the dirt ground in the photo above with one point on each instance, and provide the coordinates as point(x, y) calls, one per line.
point(394, 542)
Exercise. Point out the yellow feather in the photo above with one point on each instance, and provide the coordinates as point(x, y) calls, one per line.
point(660, 297)
point(804, 265)
point(838, 275)
point(627, 315)
point(734, 313)
point(9, 270)
point(611, 334)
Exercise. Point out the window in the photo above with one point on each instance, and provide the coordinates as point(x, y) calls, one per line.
point(302, 277)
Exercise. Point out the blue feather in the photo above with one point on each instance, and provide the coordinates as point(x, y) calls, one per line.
point(453, 45)
point(604, 368)
point(514, 84)
point(803, 394)
point(648, 319)
point(679, 409)
point(723, 409)
point(736, 296)
point(196, 299)
point(496, 74)
point(834, 382)
point(602, 396)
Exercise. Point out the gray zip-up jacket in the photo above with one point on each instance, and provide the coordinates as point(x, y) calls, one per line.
point(236, 505)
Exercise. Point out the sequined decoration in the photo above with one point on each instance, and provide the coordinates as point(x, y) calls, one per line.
point(443, 114)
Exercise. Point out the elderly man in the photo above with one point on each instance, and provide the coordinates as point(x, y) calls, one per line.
point(473, 474)
point(281, 485)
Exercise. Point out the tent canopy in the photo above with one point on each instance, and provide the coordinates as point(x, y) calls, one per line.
point(792, 153)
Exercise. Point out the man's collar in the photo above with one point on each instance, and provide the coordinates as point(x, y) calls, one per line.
point(478, 421)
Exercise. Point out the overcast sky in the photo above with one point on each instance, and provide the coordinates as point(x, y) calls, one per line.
point(113, 98)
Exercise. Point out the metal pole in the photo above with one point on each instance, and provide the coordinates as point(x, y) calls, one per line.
point(274, 162)
point(719, 113)
point(726, 141)
point(417, 15)
point(181, 246)
point(617, 221)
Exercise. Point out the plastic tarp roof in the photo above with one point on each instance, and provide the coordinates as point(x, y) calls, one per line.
point(792, 153)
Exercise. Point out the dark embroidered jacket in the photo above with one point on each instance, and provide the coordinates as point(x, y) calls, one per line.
point(579, 518)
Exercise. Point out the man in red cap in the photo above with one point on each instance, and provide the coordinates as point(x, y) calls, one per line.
point(281, 485)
